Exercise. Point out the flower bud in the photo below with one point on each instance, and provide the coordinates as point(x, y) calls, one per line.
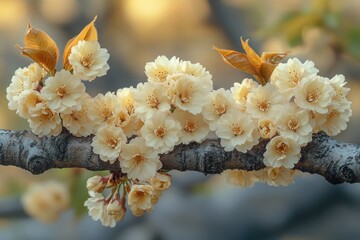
point(116, 209)
point(96, 184)
point(161, 181)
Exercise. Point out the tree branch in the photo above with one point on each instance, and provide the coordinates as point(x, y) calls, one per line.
point(337, 162)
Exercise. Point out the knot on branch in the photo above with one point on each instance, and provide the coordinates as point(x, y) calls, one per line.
point(38, 164)
point(347, 174)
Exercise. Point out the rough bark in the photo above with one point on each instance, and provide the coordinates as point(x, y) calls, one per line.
point(337, 162)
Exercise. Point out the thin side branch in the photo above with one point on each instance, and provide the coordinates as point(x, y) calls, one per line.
point(337, 162)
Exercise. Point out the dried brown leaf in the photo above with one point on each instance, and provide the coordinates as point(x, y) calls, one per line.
point(252, 56)
point(273, 57)
point(42, 57)
point(88, 33)
point(237, 60)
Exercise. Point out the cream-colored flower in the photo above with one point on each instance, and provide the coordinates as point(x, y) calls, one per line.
point(314, 94)
point(339, 99)
point(237, 130)
point(267, 128)
point(217, 103)
point(161, 181)
point(287, 76)
point(46, 201)
point(141, 198)
point(264, 102)
point(104, 109)
point(241, 178)
point(78, 121)
point(126, 99)
point(294, 123)
point(27, 78)
point(241, 91)
point(198, 71)
point(89, 60)
point(48, 123)
point(279, 176)
point(193, 127)
point(282, 152)
point(335, 120)
point(187, 93)
point(150, 99)
point(96, 205)
point(158, 71)
point(161, 132)
point(108, 142)
point(138, 160)
point(31, 104)
point(63, 91)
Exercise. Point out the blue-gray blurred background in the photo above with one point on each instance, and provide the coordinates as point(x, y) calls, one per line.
point(196, 207)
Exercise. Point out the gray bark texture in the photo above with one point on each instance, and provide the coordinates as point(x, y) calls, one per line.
point(337, 162)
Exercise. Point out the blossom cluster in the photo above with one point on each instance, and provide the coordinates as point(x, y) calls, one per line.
point(176, 105)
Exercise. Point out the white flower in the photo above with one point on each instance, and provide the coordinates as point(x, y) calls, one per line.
point(104, 109)
point(217, 103)
point(267, 128)
point(31, 104)
point(78, 121)
point(287, 76)
point(198, 71)
point(141, 197)
point(138, 160)
point(294, 123)
point(46, 201)
point(314, 94)
point(89, 60)
point(161, 181)
point(150, 99)
point(264, 102)
point(161, 132)
point(241, 91)
point(98, 209)
point(27, 78)
point(108, 142)
point(63, 92)
point(241, 178)
point(193, 127)
point(187, 93)
point(280, 176)
point(158, 71)
point(281, 151)
point(48, 123)
point(237, 130)
point(339, 99)
point(116, 209)
point(335, 120)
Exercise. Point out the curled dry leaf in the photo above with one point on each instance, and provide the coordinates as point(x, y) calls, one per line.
point(250, 62)
point(41, 48)
point(88, 33)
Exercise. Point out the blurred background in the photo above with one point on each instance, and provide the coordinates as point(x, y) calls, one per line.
point(196, 207)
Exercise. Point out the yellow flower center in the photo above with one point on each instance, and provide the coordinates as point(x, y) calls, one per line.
point(294, 77)
point(162, 75)
point(220, 109)
point(185, 96)
point(190, 126)
point(282, 147)
point(313, 96)
point(112, 142)
point(153, 101)
point(140, 195)
point(237, 130)
point(293, 123)
point(61, 91)
point(138, 159)
point(263, 105)
point(274, 173)
point(265, 128)
point(106, 112)
point(331, 115)
point(160, 131)
point(87, 61)
point(122, 117)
